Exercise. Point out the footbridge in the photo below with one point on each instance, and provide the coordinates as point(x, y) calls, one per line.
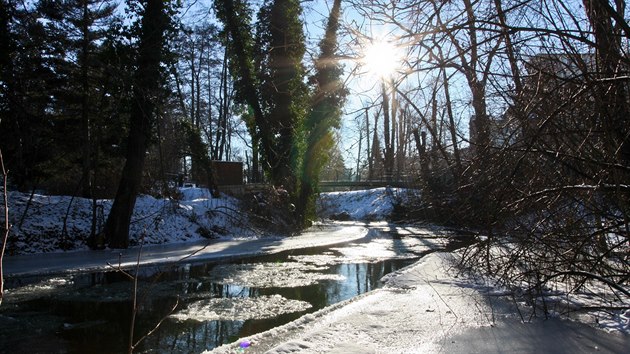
point(336, 186)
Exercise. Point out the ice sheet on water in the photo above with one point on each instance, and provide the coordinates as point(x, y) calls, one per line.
point(319, 260)
point(240, 308)
point(273, 275)
point(45, 287)
point(375, 251)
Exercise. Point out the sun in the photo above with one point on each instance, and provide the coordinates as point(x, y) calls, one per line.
point(381, 58)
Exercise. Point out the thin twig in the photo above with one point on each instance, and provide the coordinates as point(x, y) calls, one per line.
point(588, 275)
point(119, 269)
point(157, 325)
point(5, 237)
point(134, 311)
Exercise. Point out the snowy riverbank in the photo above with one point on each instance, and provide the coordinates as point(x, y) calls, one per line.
point(48, 224)
point(195, 251)
point(430, 307)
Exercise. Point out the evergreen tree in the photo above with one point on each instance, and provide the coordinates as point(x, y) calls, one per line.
point(274, 87)
point(5, 38)
point(239, 42)
point(77, 27)
point(57, 92)
point(280, 50)
point(26, 80)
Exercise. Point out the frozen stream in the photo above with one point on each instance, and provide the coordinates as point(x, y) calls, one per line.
point(214, 303)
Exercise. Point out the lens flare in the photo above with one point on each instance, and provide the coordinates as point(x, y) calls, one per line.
point(381, 58)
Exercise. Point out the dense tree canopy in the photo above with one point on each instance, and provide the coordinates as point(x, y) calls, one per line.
point(78, 73)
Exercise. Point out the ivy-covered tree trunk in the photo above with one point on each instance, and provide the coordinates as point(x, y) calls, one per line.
point(146, 84)
point(324, 116)
point(284, 92)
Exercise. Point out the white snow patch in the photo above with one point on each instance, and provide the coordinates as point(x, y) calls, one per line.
point(372, 204)
point(62, 223)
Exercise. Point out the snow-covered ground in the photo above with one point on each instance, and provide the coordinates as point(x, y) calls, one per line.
point(367, 205)
point(429, 307)
point(58, 223)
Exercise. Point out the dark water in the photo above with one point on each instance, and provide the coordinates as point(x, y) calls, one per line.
point(92, 313)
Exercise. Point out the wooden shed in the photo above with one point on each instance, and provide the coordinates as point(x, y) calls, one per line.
point(227, 173)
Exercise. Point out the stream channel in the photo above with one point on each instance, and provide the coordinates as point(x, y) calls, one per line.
point(199, 305)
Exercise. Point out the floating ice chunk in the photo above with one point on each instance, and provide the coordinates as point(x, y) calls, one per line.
point(240, 308)
point(273, 275)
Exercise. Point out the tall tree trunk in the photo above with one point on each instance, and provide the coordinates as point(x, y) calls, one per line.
point(389, 151)
point(394, 129)
point(401, 147)
point(451, 125)
point(208, 129)
point(358, 178)
point(224, 107)
point(86, 147)
point(180, 94)
point(198, 98)
point(521, 116)
point(375, 153)
point(192, 82)
point(612, 96)
point(256, 177)
point(367, 139)
point(147, 83)
point(612, 100)
point(480, 127)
